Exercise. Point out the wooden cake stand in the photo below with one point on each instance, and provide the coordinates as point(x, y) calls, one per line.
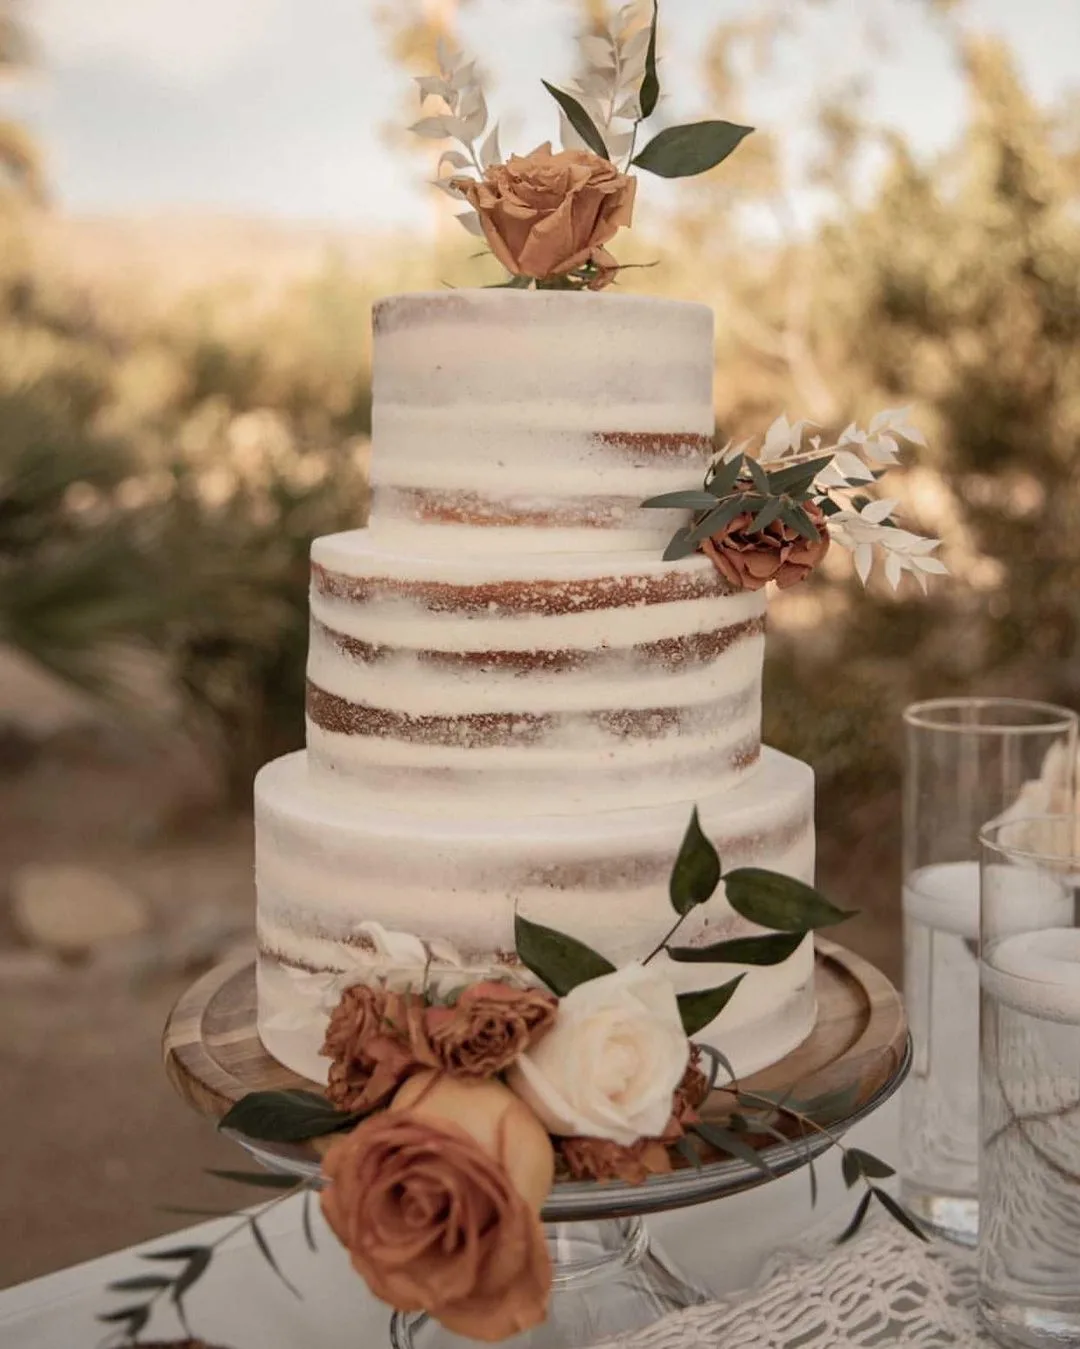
point(855, 1054)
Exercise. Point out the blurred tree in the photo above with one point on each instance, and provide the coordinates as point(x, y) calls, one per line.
point(960, 288)
point(20, 158)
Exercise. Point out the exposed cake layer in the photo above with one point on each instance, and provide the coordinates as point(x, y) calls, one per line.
point(531, 684)
point(536, 422)
point(327, 869)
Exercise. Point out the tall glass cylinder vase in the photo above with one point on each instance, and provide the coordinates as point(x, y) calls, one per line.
point(1029, 1079)
point(969, 761)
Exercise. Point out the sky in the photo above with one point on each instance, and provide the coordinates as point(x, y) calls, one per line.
point(273, 108)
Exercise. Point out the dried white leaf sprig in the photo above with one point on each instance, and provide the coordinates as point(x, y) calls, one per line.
point(784, 476)
point(455, 108)
point(609, 84)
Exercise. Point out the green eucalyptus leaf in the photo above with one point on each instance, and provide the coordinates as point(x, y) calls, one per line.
point(770, 950)
point(309, 1230)
point(779, 902)
point(786, 479)
point(650, 83)
point(680, 545)
point(717, 518)
point(696, 872)
point(896, 1210)
point(829, 1106)
point(579, 119)
point(559, 961)
point(766, 515)
point(682, 151)
point(284, 1117)
point(871, 1166)
point(758, 476)
point(140, 1283)
point(684, 1146)
point(174, 1253)
point(135, 1316)
point(800, 522)
point(688, 500)
point(184, 1211)
point(260, 1180)
point(514, 283)
point(717, 1060)
point(725, 477)
point(728, 1141)
point(857, 1219)
point(268, 1255)
point(850, 1169)
point(195, 1269)
point(701, 1009)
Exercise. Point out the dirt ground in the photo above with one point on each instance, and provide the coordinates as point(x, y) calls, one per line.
point(92, 1138)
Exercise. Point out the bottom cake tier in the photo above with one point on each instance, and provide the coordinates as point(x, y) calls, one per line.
point(348, 894)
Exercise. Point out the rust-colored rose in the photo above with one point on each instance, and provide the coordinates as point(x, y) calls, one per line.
point(601, 1159)
point(776, 553)
point(375, 1038)
point(545, 214)
point(437, 1201)
point(490, 1025)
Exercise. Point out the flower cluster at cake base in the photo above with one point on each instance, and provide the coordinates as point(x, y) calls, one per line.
point(451, 1112)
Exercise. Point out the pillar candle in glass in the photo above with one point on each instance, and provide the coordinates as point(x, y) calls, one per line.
point(968, 761)
point(1029, 1082)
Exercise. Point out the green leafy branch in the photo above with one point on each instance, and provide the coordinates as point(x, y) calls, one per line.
point(759, 1116)
point(743, 486)
point(771, 900)
point(676, 151)
point(192, 1262)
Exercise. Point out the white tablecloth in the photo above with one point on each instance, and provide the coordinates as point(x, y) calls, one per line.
point(884, 1289)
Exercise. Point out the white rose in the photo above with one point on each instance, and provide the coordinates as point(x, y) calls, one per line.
point(610, 1064)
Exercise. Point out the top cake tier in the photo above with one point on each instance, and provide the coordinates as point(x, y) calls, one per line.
point(538, 422)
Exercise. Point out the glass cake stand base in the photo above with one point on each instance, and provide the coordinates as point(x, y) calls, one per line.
point(609, 1280)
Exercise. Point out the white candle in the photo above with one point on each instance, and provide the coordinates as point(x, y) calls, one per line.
point(1037, 973)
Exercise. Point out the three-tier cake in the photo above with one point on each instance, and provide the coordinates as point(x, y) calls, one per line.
point(513, 702)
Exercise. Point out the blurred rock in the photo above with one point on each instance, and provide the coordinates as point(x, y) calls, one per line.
point(207, 937)
point(71, 909)
point(22, 967)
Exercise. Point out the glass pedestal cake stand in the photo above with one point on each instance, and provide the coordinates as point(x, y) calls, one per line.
point(609, 1279)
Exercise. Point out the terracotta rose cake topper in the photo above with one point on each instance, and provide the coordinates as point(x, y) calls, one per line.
point(763, 513)
point(549, 215)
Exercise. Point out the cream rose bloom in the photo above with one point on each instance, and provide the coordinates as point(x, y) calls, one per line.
point(609, 1066)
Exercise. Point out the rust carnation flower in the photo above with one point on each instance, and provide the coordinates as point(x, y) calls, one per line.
point(375, 1038)
point(776, 553)
point(437, 1201)
point(688, 1099)
point(488, 1028)
point(546, 214)
point(601, 1159)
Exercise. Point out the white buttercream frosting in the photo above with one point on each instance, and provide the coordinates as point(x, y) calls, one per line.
point(513, 701)
point(512, 407)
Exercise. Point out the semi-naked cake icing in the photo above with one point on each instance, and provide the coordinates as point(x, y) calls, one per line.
point(513, 702)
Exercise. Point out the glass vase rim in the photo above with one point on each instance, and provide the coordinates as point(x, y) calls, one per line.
point(1056, 717)
point(989, 832)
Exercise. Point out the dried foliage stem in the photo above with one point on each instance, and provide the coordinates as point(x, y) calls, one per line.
point(122, 1337)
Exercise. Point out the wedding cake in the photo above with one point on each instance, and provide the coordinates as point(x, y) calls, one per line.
point(513, 702)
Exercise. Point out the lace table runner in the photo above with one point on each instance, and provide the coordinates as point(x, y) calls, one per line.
point(883, 1289)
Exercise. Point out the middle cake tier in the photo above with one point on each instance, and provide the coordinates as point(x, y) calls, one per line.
point(474, 686)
